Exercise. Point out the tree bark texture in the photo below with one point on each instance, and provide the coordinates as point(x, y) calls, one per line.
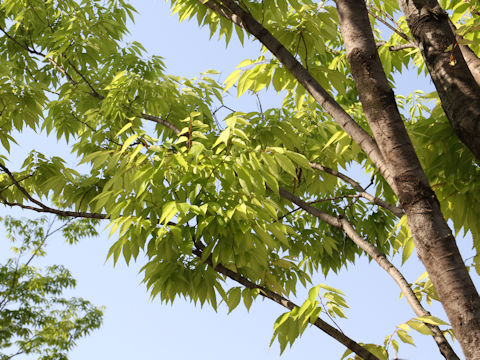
point(383, 262)
point(434, 241)
point(233, 12)
point(455, 84)
point(473, 62)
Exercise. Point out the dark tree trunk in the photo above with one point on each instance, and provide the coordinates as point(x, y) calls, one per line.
point(455, 84)
point(472, 60)
point(434, 241)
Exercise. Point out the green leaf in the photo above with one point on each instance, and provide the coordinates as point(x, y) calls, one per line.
point(223, 138)
point(313, 293)
point(286, 164)
point(281, 320)
point(233, 300)
point(169, 210)
point(299, 159)
point(407, 250)
point(232, 79)
point(332, 289)
point(123, 129)
point(431, 320)
point(127, 142)
point(420, 327)
point(402, 334)
point(247, 298)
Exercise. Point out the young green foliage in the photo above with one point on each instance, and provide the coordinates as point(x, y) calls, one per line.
point(34, 317)
point(195, 192)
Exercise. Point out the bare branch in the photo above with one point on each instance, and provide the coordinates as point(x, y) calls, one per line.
point(396, 47)
point(362, 192)
point(163, 122)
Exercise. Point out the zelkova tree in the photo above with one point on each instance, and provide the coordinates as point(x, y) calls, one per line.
point(35, 320)
point(261, 198)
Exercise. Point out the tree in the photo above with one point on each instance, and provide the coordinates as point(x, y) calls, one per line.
point(34, 318)
point(261, 198)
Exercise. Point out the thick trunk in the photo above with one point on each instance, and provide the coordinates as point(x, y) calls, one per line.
point(472, 60)
point(434, 241)
point(456, 87)
point(233, 12)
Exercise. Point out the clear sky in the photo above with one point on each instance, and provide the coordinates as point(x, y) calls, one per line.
point(137, 328)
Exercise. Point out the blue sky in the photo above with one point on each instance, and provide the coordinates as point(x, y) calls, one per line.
point(137, 328)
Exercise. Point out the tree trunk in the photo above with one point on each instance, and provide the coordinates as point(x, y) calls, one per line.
point(434, 241)
point(237, 15)
point(456, 87)
point(472, 60)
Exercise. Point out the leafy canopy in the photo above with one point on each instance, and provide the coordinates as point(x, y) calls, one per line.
point(34, 317)
point(190, 191)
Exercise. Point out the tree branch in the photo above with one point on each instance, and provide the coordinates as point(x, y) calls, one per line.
point(380, 259)
point(398, 212)
point(319, 323)
point(234, 13)
point(93, 92)
point(42, 207)
point(394, 29)
point(472, 60)
point(430, 231)
point(396, 47)
point(163, 122)
point(35, 52)
point(456, 86)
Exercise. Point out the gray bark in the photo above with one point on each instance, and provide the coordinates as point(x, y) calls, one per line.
point(433, 238)
point(472, 60)
point(233, 12)
point(383, 262)
point(455, 84)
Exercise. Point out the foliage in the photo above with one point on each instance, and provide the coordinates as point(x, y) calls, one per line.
point(34, 317)
point(192, 193)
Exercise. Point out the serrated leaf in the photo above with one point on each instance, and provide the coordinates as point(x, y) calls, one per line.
point(432, 320)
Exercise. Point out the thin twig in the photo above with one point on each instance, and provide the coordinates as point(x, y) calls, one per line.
point(375, 200)
point(395, 30)
point(328, 314)
point(43, 207)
